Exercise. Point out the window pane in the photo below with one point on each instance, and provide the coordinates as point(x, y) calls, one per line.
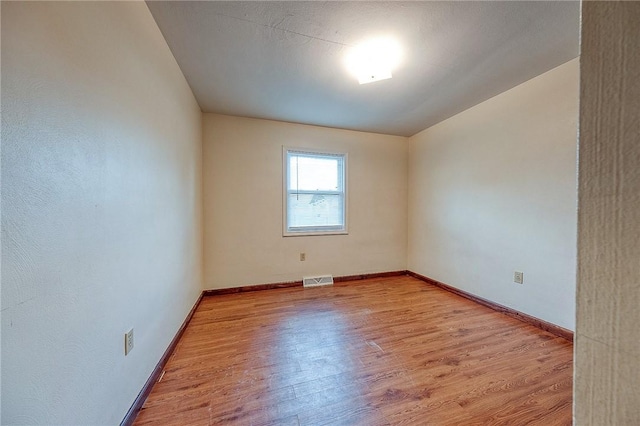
point(315, 193)
point(315, 210)
point(311, 173)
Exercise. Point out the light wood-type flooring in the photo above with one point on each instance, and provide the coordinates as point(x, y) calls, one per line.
point(386, 351)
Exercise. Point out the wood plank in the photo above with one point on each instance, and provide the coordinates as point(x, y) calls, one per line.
point(547, 326)
point(159, 368)
point(389, 350)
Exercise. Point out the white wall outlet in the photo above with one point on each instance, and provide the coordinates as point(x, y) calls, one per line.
point(303, 257)
point(518, 277)
point(128, 342)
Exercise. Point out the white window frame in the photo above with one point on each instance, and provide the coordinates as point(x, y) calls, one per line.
point(306, 231)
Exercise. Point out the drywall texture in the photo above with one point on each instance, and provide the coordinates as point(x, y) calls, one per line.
point(454, 54)
point(101, 197)
point(243, 186)
point(607, 349)
point(493, 191)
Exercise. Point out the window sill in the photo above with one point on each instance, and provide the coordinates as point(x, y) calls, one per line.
point(314, 233)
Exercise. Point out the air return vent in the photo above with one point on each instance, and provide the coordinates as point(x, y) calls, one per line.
point(317, 281)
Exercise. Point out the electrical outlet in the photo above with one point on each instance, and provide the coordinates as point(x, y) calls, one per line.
point(518, 277)
point(303, 257)
point(128, 342)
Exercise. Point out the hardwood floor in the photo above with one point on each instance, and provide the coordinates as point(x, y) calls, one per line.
point(373, 352)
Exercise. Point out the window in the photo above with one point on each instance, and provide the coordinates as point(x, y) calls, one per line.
point(314, 193)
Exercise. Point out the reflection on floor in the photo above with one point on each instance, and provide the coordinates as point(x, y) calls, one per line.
point(373, 352)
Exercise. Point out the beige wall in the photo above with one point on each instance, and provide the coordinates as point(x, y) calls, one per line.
point(243, 242)
point(607, 348)
point(101, 222)
point(492, 190)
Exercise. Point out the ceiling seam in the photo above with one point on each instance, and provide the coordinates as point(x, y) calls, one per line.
point(282, 29)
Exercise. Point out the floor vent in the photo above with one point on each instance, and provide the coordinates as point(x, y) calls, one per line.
point(317, 281)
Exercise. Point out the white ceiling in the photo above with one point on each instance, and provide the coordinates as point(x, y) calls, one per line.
point(284, 60)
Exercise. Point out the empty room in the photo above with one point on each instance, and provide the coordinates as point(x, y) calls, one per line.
point(320, 213)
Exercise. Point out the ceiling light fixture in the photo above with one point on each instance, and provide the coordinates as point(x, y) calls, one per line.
point(373, 60)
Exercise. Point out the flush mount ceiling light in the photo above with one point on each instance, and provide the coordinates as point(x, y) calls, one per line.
point(374, 59)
